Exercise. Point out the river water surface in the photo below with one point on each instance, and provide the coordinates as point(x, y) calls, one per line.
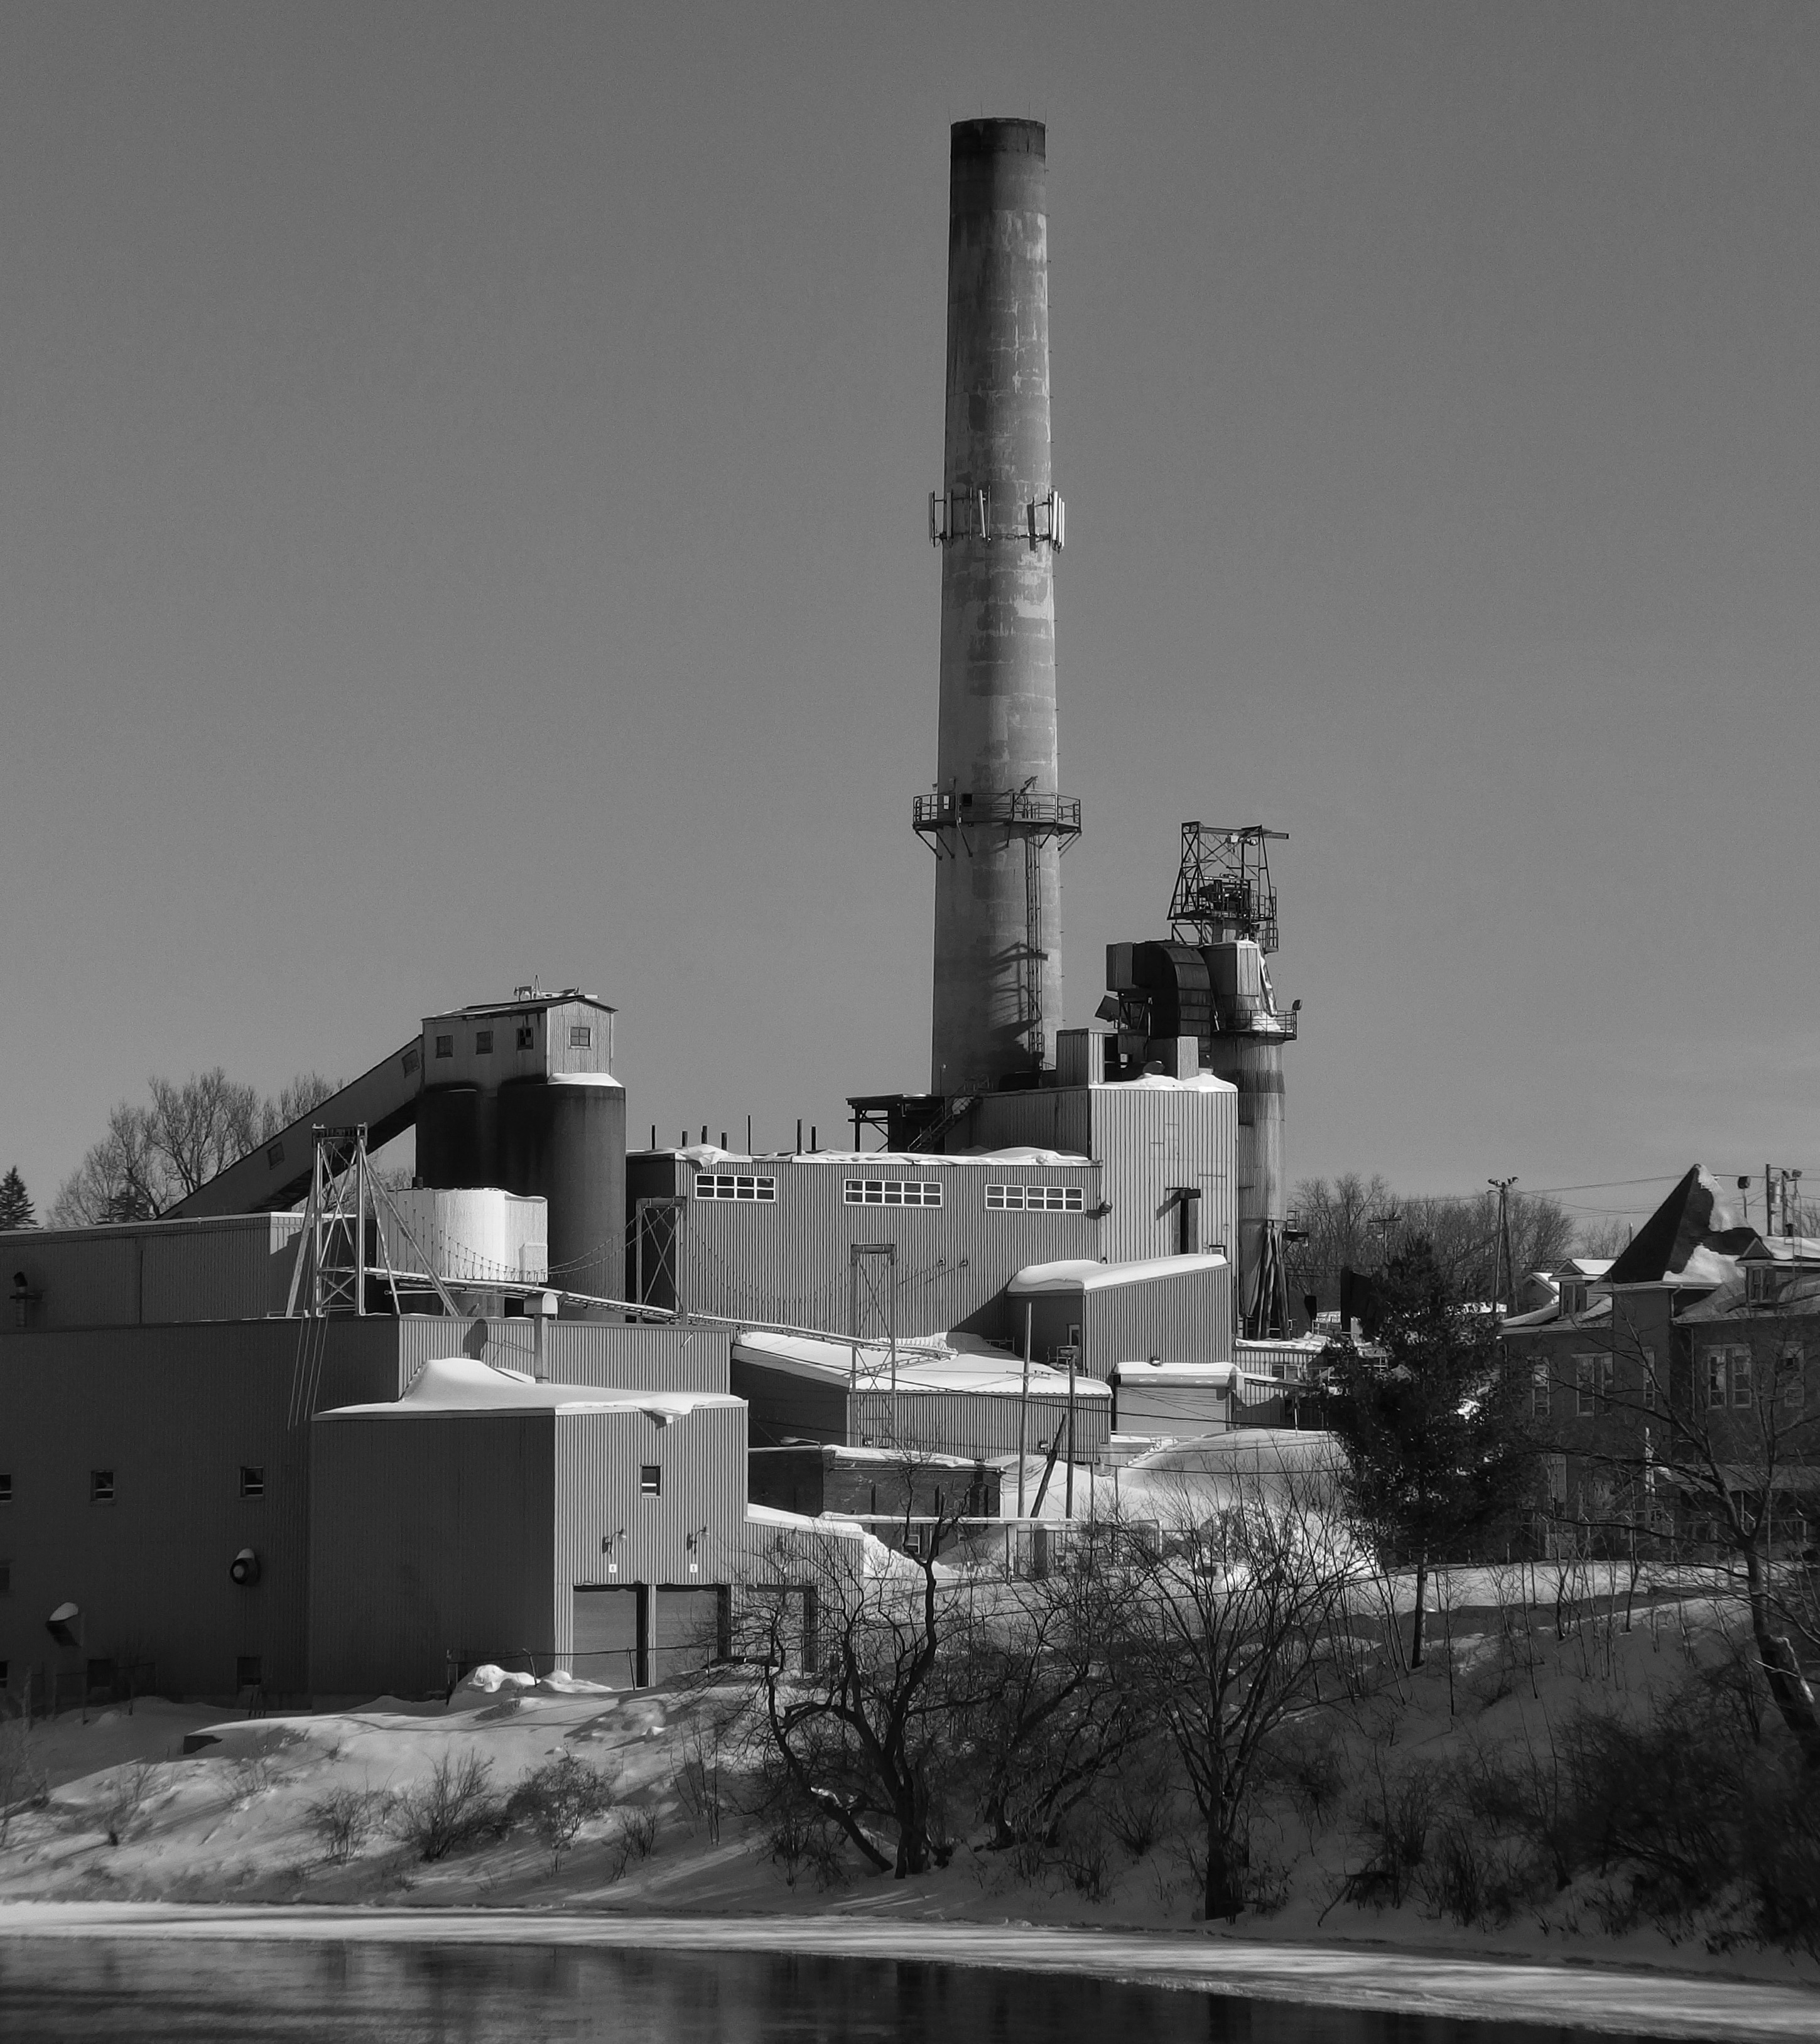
point(109, 1987)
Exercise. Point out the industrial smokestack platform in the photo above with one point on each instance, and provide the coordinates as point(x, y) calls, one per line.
point(995, 819)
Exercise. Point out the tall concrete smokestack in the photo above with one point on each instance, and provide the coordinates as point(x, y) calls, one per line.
point(995, 819)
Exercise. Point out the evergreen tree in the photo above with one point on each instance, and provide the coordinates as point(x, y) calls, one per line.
point(1435, 1426)
point(16, 1209)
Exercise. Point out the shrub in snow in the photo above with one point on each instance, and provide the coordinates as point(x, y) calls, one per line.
point(634, 1837)
point(24, 1784)
point(452, 1809)
point(131, 1786)
point(561, 1796)
point(344, 1820)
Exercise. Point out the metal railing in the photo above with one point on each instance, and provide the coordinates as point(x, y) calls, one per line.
point(946, 809)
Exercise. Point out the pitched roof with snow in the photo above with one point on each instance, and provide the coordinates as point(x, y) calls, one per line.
point(457, 1384)
point(940, 1362)
point(1689, 1240)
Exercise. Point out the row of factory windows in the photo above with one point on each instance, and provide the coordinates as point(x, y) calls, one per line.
point(102, 1487)
point(1728, 1376)
point(898, 1193)
point(581, 1038)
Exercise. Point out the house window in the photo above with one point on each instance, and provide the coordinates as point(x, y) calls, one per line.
point(650, 1480)
point(1740, 1376)
point(249, 1672)
point(1035, 1199)
point(1759, 1286)
point(1573, 1300)
point(1794, 1380)
point(252, 1481)
point(892, 1192)
point(483, 1042)
point(581, 1035)
point(527, 1037)
point(1650, 1380)
point(445, 1046)
point(733, 1185)
point(100, 1486)
point(1592, 1381)
point(1556, 1474)
point(1716, 1359)
point(1539, 1390)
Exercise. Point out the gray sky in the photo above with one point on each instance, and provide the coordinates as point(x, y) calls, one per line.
point(462, 486)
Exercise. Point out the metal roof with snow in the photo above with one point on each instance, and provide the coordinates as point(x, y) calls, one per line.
point(1083, 1274)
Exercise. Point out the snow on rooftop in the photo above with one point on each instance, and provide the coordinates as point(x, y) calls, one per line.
point(939, 1362)
point(1161, 1082)
point(707, 1157)
point(458, 1384)
point(1180, 1375)
point(1090, 1276)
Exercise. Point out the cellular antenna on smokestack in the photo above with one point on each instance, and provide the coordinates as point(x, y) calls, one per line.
point(995, 818)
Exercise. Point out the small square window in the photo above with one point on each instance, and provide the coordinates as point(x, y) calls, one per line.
point(6, 1487)
point(445, 1046)
point(249, 1672)
point(252, 1481)
point(581, 1036)
point(483, 1042)
point(651, 1479)
point(527, 1037)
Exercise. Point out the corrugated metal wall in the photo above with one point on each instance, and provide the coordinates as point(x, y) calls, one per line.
point(430, 1537)
point(1150, 1139)
point(174, 1413)
point(234, 1268)
point(949, 1422)
point(787, 1262)
point(633, 1357)
point(1053, 1118)
point(1187, 1319)
point(785, 1406)
point(974, 1423)
point(691, 1535)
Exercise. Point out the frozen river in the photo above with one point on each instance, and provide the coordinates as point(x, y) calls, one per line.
point(71, 1972)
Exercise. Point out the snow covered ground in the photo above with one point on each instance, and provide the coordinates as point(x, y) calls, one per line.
point(228, 1832)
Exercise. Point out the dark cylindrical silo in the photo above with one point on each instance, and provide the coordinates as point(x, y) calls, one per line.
point(450, 1149)
point(995, 812)
point(565, 1140)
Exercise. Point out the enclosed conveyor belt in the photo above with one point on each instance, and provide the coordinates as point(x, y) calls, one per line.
point(278, 1173)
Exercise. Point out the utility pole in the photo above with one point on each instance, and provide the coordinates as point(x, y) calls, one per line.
point(1501, 1247)
point(1023, 1410)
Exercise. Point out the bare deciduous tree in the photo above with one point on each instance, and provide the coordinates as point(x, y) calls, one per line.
point(1226, 1617)
point(151, 1157)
